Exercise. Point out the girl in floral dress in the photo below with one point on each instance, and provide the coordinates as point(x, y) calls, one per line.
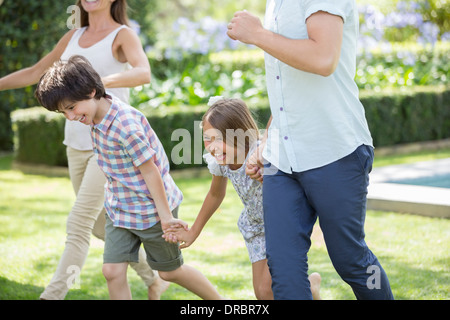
point(231, 135)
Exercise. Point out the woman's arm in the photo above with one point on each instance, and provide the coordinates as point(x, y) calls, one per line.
point(31, 75)
point(128, 48)
point(318, 54)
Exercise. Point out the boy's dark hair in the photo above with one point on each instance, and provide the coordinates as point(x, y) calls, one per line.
point(69, 81)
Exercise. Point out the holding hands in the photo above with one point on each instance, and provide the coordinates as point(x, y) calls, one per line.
point(255, 167)
point(173, 223)
point(180, 234)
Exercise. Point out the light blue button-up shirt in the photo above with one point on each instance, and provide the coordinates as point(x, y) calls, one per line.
point(316, 120)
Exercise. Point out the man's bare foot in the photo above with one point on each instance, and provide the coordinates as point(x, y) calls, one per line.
point(157, 288)
point(315, 279)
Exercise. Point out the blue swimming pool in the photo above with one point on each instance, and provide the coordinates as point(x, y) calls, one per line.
point(440, 181)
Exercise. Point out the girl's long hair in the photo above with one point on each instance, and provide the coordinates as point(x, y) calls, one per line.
point(234, 120)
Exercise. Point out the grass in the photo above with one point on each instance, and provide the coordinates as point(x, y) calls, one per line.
point(33, 210)
point(425, 155)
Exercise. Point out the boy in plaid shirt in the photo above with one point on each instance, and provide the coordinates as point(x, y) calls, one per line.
point(141, 198)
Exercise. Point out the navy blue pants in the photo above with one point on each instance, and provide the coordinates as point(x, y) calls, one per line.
point(336, 194)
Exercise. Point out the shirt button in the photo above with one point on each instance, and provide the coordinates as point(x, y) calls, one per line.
point(285, 137)
point(278, 77)
point(281, 109)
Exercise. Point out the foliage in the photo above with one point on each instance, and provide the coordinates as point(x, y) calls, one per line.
point(240, 74)
point(29, 30)
point(401, 116)
point(403, 65)
point(200, 77)
point(143, 14)
point(45, 131)
point(197, 60)
point(419, 21)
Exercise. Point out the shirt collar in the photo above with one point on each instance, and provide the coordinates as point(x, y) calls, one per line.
point(104, 125)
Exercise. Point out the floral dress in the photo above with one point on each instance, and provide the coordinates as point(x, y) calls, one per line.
point(250, 223)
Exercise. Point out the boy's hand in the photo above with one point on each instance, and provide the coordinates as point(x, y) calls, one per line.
point(172, 222)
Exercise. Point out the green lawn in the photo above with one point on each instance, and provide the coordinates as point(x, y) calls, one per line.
point(414, 250)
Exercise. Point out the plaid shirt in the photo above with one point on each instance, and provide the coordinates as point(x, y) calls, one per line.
point(122, 142)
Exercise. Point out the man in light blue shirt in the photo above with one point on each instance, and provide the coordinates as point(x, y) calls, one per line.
point(318, 140)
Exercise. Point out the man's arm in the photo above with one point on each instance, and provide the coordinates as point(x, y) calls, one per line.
point(319, 54)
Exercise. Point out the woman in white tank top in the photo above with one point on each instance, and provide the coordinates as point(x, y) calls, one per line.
point(116, 53)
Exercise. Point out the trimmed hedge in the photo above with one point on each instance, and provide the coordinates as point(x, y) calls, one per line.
point(404, 116)
point(394, 117)
point(39, 135)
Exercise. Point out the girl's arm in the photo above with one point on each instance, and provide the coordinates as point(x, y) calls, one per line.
point(318, 54)
point(212, 201)
point(128, 48)
point(31, 75)
point(155, 185)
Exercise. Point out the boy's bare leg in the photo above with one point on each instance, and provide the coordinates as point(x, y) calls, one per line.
point(193, 280)
point(116, 278)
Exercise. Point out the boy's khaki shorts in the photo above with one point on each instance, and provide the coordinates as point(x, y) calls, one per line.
point(122, 245)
